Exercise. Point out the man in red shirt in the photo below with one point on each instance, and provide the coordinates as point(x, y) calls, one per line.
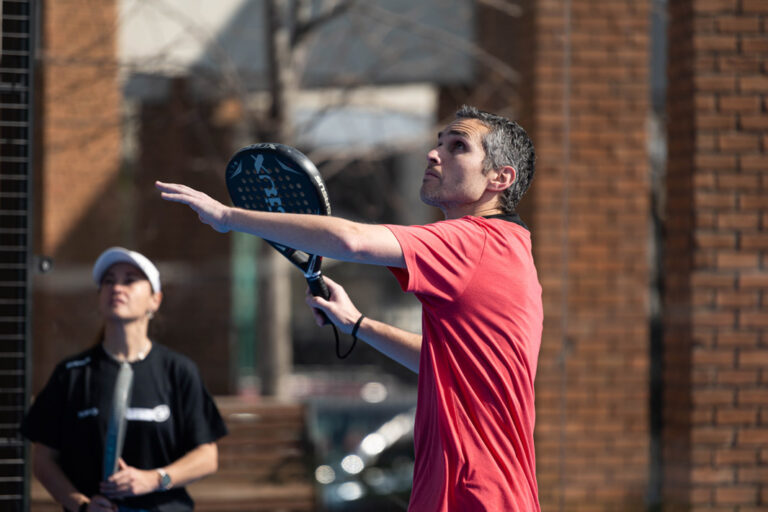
point(482, 313)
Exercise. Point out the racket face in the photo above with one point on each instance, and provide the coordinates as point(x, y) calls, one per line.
point(276, 178)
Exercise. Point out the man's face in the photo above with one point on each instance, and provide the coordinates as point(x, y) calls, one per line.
point(454, 178)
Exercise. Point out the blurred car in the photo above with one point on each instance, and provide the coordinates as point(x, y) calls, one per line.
point(365, 455)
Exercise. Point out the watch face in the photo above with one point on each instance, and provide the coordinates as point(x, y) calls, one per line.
point(165, 481)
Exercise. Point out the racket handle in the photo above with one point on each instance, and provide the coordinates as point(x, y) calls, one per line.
point(318, 288)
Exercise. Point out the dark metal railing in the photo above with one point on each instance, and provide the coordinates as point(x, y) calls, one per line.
point(16, 102)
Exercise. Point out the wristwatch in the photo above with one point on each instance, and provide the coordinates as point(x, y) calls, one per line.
point(165, 479)
point(83, 507)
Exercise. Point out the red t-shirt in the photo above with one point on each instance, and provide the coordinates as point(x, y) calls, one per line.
point(481, 323)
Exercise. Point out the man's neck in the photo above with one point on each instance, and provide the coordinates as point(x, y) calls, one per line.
point(476, 212)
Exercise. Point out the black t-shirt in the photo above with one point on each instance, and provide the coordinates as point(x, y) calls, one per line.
point(170, 413)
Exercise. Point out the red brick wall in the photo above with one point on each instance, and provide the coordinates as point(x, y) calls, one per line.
point(716, 276)
point(590, 203)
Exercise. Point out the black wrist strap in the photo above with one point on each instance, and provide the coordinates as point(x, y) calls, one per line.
point(357, 326)
point(83, 507)
point(354, 338)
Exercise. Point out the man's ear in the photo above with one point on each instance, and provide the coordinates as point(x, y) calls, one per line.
point(502, 178)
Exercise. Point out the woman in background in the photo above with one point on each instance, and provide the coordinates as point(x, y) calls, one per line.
point(172, 421)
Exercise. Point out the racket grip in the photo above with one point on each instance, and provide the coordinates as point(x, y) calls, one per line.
point(318, 288)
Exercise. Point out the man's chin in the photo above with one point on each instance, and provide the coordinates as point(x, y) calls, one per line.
point(428, 198)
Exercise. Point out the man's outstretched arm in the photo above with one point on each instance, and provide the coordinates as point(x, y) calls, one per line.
point(402, 346)
point(332, 237)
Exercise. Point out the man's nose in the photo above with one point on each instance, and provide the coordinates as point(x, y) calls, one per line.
point(433, 157)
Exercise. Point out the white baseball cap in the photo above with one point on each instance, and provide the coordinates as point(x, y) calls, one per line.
point(122, 255)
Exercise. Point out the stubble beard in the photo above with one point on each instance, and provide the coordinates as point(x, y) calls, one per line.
point(429, 197)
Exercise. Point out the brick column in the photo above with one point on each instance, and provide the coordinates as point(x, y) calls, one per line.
point(586, 98)
point(81, 127)
point(716, 267)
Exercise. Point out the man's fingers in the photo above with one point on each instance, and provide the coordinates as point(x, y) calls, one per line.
point(177, 192)
point(176, 197)
point(179, 197)
point(172, 187)
point(318, 306)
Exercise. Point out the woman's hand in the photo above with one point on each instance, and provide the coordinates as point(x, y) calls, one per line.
point(129, 481)
point(99, 503)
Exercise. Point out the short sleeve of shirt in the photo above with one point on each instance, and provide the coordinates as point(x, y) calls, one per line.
point(440, 258)
point(202, 421)
point(42, 421)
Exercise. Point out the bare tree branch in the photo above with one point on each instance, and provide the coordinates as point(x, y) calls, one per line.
point(306, 28)
point(458, 43)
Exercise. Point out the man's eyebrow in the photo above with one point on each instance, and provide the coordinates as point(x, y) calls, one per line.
point(460, 133)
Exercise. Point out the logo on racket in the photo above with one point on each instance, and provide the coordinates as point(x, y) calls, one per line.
point(239, 169)
point(270, 193)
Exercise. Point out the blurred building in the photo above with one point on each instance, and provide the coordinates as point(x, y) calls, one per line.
point(651, 386)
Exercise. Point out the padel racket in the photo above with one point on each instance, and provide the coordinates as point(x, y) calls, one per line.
point(273, 177)
point(121, 398)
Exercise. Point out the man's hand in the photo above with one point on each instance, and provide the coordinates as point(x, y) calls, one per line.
point(339, 307)
point(130, 481)
point(402, 346)
point(209, 210)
